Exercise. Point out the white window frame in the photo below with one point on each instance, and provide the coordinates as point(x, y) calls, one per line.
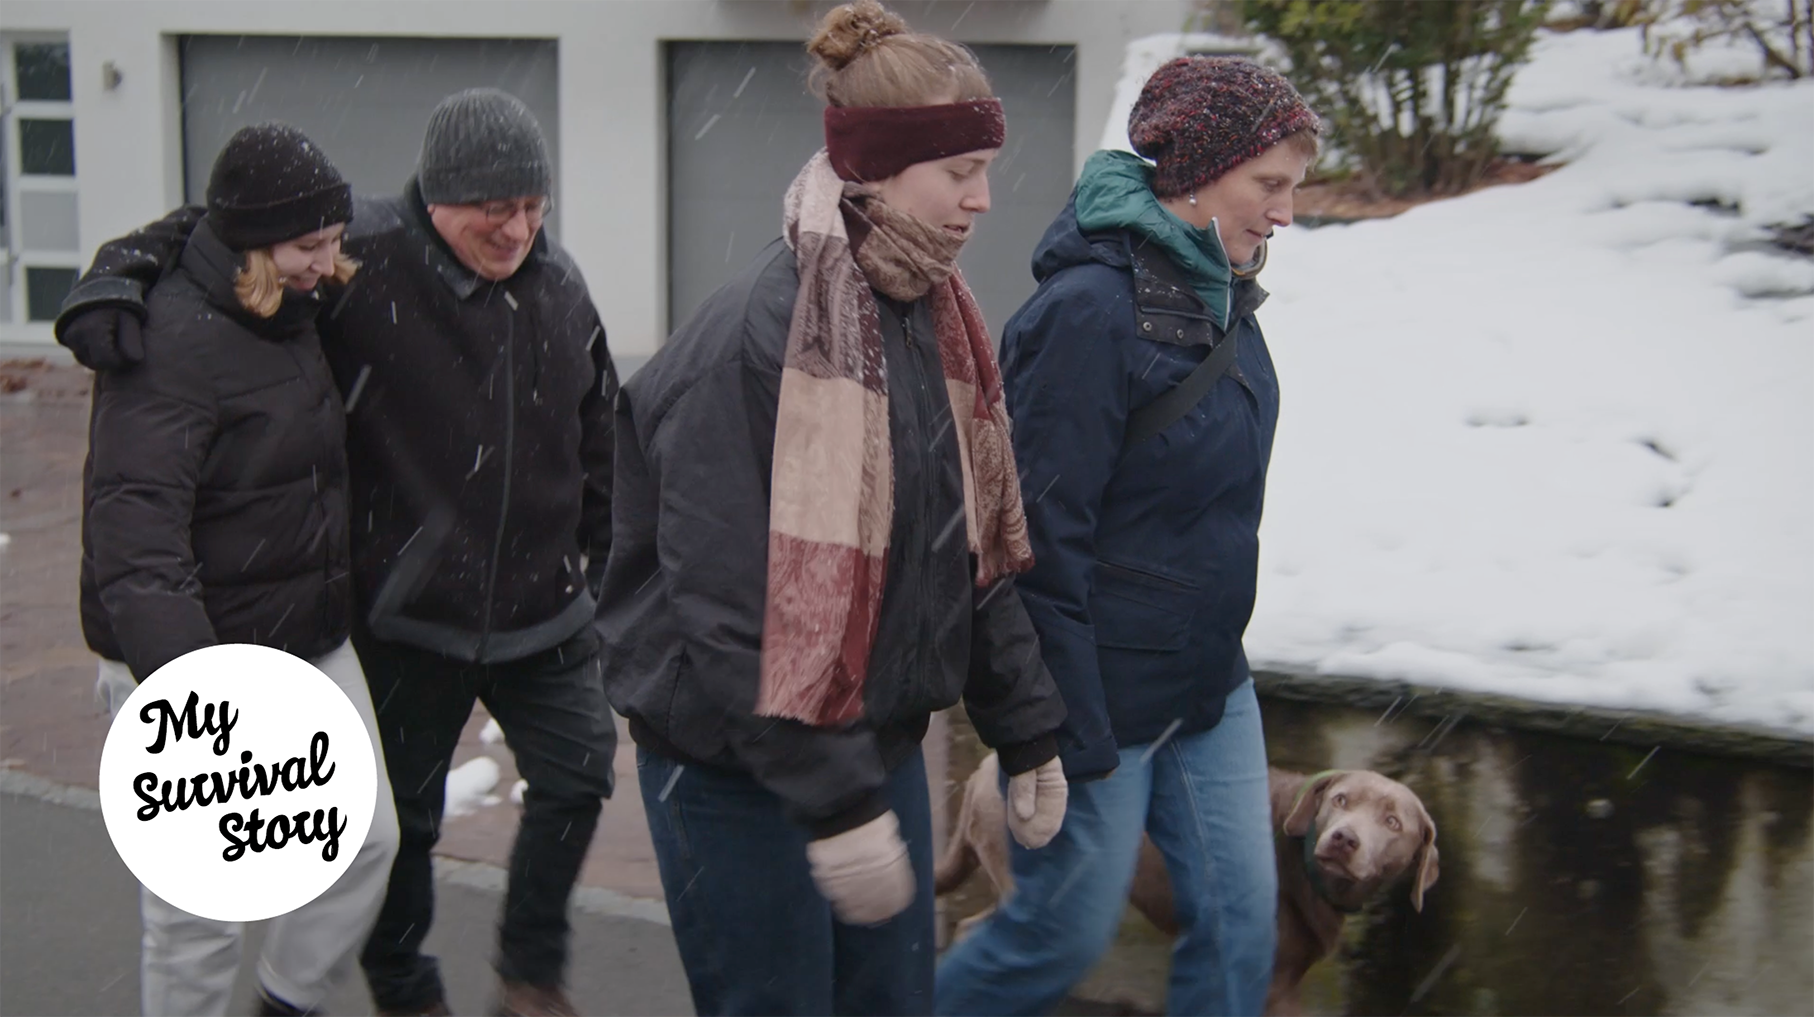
point(17, 257)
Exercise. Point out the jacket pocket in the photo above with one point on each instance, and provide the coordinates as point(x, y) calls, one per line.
point(1133, 609)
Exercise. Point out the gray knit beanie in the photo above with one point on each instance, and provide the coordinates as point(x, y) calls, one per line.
point(482, 145)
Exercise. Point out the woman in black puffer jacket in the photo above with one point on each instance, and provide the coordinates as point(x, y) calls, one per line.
point(215, 511)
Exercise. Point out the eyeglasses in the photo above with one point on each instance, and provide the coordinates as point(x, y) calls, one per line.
point(498, 213)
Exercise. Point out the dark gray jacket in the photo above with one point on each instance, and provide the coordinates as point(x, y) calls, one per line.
point(214, 495)
point(478, 430)
point(681, 612)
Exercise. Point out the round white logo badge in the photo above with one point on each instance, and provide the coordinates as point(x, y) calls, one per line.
point(238, 782)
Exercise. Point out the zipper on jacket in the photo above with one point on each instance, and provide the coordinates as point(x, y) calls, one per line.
point(497, 544)
point(927, 637)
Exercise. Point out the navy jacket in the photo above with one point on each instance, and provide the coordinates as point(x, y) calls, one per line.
point(1146, 556)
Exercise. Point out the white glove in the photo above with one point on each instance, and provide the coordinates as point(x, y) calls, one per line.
point(1036, 801)
point(864, 872)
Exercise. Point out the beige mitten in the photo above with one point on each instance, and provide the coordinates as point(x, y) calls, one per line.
point(864, 872)
point(1036, 802)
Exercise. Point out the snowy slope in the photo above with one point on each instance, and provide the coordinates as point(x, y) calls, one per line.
point(1557, 440)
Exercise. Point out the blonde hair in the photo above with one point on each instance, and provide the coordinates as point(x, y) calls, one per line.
point(869, 57)
point(259, 285)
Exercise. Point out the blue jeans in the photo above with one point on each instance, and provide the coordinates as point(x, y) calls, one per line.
point(755, 935)
point(1203, 799)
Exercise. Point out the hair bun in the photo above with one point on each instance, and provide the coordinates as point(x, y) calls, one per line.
point(849, 31)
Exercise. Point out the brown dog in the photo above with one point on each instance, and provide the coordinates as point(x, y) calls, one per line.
point(1368, 831)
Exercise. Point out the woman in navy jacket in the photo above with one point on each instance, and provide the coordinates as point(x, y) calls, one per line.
point(1145, 548)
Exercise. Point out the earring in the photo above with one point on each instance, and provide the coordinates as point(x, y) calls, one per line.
point(1193, 199)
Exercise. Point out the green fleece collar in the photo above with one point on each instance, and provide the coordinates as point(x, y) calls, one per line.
point(1115, 192)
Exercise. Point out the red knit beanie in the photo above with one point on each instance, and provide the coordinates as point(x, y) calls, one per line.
point(1199, 117)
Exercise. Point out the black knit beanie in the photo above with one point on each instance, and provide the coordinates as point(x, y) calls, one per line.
point(271, 184)
point(1199, 117)
point(482, 145)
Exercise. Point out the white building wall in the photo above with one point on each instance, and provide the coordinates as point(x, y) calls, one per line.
point(611, 173)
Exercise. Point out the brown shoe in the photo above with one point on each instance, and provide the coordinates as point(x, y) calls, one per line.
point(520, 999)
point(436, 1009)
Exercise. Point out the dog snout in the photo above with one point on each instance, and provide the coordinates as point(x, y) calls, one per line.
point(1342, 841)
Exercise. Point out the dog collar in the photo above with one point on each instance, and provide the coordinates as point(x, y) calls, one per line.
point(1315, 872)
point(1311, 870)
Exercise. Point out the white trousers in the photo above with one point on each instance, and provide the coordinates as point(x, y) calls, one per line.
point(187, 964)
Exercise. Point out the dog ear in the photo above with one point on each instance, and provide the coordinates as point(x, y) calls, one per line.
point(1309, 801)
point(1426, 862)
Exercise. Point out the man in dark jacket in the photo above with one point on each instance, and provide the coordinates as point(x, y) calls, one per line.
point(478, 391)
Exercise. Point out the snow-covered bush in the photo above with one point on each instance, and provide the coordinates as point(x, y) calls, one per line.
point(1782, 30)
point(1413, 90)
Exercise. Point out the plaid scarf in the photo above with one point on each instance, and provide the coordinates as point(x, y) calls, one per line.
point(831, 503)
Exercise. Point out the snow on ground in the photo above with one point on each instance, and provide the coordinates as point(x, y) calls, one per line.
point(469, 786)
point(1556, 440)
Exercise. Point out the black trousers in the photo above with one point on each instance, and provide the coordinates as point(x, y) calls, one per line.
point(552, 708)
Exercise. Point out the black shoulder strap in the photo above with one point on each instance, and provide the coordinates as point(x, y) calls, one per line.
point(1171, 407)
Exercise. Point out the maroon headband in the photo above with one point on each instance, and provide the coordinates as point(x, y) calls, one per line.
point(869, 143)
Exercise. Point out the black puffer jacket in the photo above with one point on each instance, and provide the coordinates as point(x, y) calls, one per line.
point(215, 491)
point(478, 425)
point(682, 607)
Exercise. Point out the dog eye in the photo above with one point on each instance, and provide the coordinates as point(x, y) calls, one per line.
point(1392, 822)
point(1341, 800)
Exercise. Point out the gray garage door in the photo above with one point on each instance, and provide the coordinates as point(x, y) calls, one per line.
point(365, 101)
point(741, 123)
